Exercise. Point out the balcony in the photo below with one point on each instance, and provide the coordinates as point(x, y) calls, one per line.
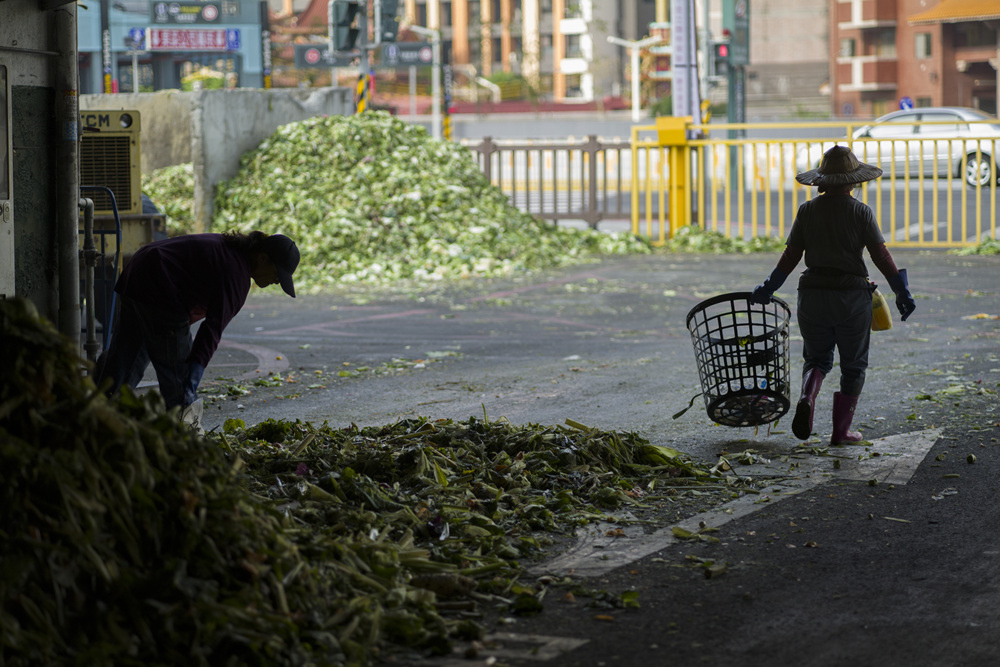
point(866, 24)
point(866, 74)
point(866, 14)
point(573, 27)
point(573, 66)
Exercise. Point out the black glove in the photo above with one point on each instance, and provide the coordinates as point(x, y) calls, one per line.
point(762, 293)
point(904, 300)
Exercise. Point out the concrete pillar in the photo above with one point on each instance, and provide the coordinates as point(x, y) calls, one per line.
point(460, 32)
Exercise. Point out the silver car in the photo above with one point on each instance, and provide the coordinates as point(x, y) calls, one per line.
point(955, 141)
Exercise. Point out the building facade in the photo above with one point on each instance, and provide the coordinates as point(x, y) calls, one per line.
point(889, 54)
point(559, 46)
point(146, 45)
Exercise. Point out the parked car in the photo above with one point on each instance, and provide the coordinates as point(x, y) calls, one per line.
point(956, 141)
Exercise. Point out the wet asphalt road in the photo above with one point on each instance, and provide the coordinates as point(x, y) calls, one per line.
point(893, 568)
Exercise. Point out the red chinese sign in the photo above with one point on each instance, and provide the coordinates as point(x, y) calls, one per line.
point(172, 39)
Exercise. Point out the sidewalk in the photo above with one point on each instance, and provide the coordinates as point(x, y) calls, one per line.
point(891, 556)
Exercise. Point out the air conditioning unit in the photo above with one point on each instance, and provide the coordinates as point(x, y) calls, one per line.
point(109, 156)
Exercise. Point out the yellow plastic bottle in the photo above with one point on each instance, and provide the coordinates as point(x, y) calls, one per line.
point(881, 315)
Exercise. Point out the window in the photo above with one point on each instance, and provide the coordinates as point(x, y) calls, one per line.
point(885, 43)
point(974, 34)
point(922, 45)
point(573, 46)
point(950, 123)
point(573, 85)
point(894, 130)
point(848, 47)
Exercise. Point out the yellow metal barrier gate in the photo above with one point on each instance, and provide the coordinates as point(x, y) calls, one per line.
point(744, 188)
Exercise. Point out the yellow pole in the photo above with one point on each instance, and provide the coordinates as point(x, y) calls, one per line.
point(672, 133)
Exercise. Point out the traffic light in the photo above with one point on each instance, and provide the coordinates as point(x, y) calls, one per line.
point(342, 25)
point(720, 57)
point(388, 23)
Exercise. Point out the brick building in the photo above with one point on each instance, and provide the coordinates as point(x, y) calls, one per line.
point(886, 53)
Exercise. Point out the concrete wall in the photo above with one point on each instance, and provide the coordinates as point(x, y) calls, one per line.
point(212, 129)
point(29, 266)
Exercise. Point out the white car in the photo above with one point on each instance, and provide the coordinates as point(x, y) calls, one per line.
point(956, 141)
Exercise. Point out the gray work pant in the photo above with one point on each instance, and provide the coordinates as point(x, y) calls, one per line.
point(145, 334)
point(840, 319)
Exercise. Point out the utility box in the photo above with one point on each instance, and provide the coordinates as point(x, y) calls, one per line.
point(109, 157)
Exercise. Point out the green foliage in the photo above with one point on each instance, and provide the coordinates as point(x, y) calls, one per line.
point(663, 107)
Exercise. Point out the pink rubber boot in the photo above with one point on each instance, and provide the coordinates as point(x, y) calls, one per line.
point(802, 423)
point(843, 415)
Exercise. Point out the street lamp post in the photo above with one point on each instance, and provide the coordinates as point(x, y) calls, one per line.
point(634, 47)
point(435, 36)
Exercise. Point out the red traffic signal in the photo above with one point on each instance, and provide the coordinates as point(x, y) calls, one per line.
point(722, 51)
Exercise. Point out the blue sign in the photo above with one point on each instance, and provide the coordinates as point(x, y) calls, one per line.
point(138, 37)
point(905, 103)
point(232, 39)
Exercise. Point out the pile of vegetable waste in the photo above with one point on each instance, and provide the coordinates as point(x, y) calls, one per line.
point(172, 190)
point(696, 239)
point(371, 199)
point(125, 537)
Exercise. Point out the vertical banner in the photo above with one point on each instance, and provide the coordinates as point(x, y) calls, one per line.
point(265, 43)
point(684, 61)
point(446, 106)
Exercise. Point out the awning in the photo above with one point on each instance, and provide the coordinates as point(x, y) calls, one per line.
point(957, 11)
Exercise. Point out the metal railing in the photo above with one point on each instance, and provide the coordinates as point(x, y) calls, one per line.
point(745, 187)
point(566, 180)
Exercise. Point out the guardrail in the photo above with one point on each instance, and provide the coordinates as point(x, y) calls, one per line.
point(574, 179)
point(745, 187)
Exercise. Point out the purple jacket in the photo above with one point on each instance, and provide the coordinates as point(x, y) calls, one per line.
point(196, 276)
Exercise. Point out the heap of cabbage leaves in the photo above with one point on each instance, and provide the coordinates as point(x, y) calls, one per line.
point(371, 199)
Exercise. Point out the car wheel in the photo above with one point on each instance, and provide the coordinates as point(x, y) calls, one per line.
point(978, 170)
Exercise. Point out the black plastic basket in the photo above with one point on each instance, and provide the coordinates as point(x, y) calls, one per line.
point(742, 353)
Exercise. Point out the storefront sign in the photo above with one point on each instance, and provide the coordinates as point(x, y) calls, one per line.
point(179, 39)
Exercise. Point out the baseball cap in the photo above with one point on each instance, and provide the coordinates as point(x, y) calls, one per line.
point(285, 255)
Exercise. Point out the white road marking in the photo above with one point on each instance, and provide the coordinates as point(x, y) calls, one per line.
point(516, 646)
point(892, 460)
point(268, 361)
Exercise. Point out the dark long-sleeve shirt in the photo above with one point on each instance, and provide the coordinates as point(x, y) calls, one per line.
point(197, 276)
point(832, 230)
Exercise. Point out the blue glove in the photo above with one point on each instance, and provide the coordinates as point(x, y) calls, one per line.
point(904, 300)
point(195, 371)
point(762, 293)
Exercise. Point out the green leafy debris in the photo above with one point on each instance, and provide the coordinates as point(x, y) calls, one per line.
point(127, 538)
point(698, 240)
point(988, 246)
